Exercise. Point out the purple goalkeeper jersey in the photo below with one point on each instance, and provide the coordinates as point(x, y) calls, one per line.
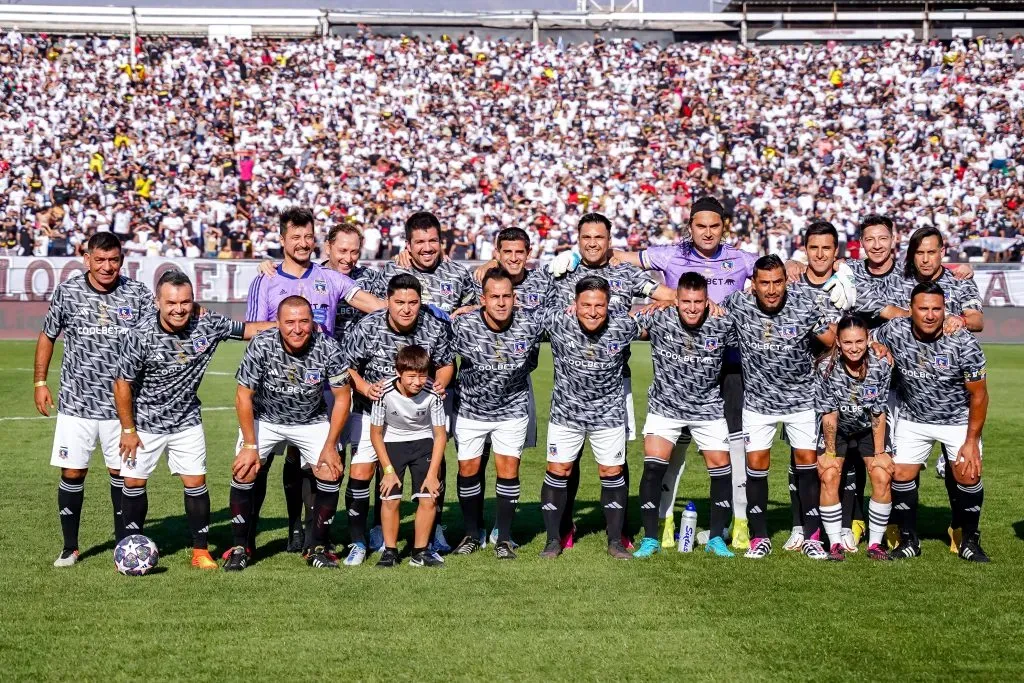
point(322, 287)
point(726, 271)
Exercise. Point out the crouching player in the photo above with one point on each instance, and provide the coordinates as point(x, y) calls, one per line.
point(280, 398)
point(851, 393)
point(409, 430)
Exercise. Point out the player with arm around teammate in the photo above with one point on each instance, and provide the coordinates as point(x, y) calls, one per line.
point(851, 393)
point(280, 399)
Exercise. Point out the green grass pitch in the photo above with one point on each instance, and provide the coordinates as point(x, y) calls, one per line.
point(584, 616)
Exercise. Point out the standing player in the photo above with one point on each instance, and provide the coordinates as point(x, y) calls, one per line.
point(409, 429)
point(371, 350)
point(156, 391)
point(326, 290)
point(94, 311)
point(497, 345)
point(851, 393)
point(774, 328)
point(281, 398)
point(944, 398)
point(687, 347)
point(589, 354)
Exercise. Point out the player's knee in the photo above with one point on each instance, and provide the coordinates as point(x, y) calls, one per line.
point(803, 456)
point(469, 468)
point(390, 505)
point(562, 469)
point(111, 472)
point(758, 460)
point(426, 504)
point(506, 466)
point(80, 474)
point(609, 470)
point(830, 479)
point(964, 479)
point(880, 479)
point(362, 471)
point(134, 483)
point(906, 472)
point(192, 481)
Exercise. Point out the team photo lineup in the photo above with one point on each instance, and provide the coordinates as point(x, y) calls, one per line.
point(354, 377)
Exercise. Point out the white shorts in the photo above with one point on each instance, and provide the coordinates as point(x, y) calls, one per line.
point(309, 439)
point(914, 441)
point(608, 445)
point(75, 438)
point(354, 428)
point(186, 453)
point(801, 430)
point(627, 390)
point(710, 435)
point(360, 436)
point(507, 437)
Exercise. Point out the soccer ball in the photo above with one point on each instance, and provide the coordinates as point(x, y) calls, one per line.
point(135, 555)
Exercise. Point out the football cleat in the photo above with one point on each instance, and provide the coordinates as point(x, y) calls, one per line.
point(552, 549)
point(376, 539)
point(627, 543)
point(618, 551)
point(494, 539)
point(956, 539)
point(467, 546)
point(319, 559)
point(971, 551)
point(297, 540)
point(356, 555)
point(877, 552)
point(439, 544)
point(66, 558)
point(814, 550)
point(858, 528)
point(740, 534)
point(849, 542)
point(648, 547)
point(426, 558)
point(909, 547)
point(388, 558)
point(504, 550)
point(718, 547)
point(569, 539)
point(227, 553)
point(668, 532)
point(795, 540)
point(201, 559)
point(760, 548)
point(482, 538)
point(237, 559)
point(892, 536)
point(835, 553)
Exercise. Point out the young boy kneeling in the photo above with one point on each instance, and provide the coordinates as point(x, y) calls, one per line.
point(408, 429)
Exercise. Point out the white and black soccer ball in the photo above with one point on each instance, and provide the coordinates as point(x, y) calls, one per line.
point(135, 555)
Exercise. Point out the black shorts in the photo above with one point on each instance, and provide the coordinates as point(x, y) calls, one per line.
point(731, 383)
point(861, 443)
point(414, 456)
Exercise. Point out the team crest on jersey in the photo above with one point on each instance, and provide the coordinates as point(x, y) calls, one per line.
point(614, 347)
point(124, 313)
point(711, 344)
point(942, 361)
point(727, 266)
point(311, 377)
point(788, 331)
point(447, 289)
point(617, 285)
point(200, 344)
point(518, 347)
point(320, 286)
point(62, 453)
point(552, 450)
point(869, 392)
point(533, 299)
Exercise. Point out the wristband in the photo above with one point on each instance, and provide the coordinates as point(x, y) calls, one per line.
point(828, 454)
point(249, 446)
point(129, 430)
point(389, 469)
point(40, 383)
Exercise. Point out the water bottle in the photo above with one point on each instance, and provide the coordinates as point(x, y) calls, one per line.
point(688, 528)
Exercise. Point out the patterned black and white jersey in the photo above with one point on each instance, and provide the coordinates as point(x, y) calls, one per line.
point(166, 369)
point(930, 375)
point(855, 399)
point(448, 286)
point(348, 315)
point(588, 390)
point(822, 304)
point(687, 365)
point(775, 351)
point(94, 325)
point(625, 280)
point(961, 295)
point(373, 344)
point(495, 366)
point(875, 292)
point(288, 389)
point(531, 293)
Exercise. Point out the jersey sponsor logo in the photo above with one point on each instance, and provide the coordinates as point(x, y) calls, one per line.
point(200, 344)
point(320, 314)
point(711, 344)
point(320, 286)
point(311, 377)
point(124, 313)
point(519, 347)
point(788, 331)
point(447, 289)
point(869, 392)
point(942, 361)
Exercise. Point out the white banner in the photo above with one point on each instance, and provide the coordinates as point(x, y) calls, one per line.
point(27, 278)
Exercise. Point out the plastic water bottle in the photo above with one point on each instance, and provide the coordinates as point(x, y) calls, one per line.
point(688, 528)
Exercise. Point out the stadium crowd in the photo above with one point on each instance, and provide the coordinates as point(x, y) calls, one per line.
point(198, 148)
